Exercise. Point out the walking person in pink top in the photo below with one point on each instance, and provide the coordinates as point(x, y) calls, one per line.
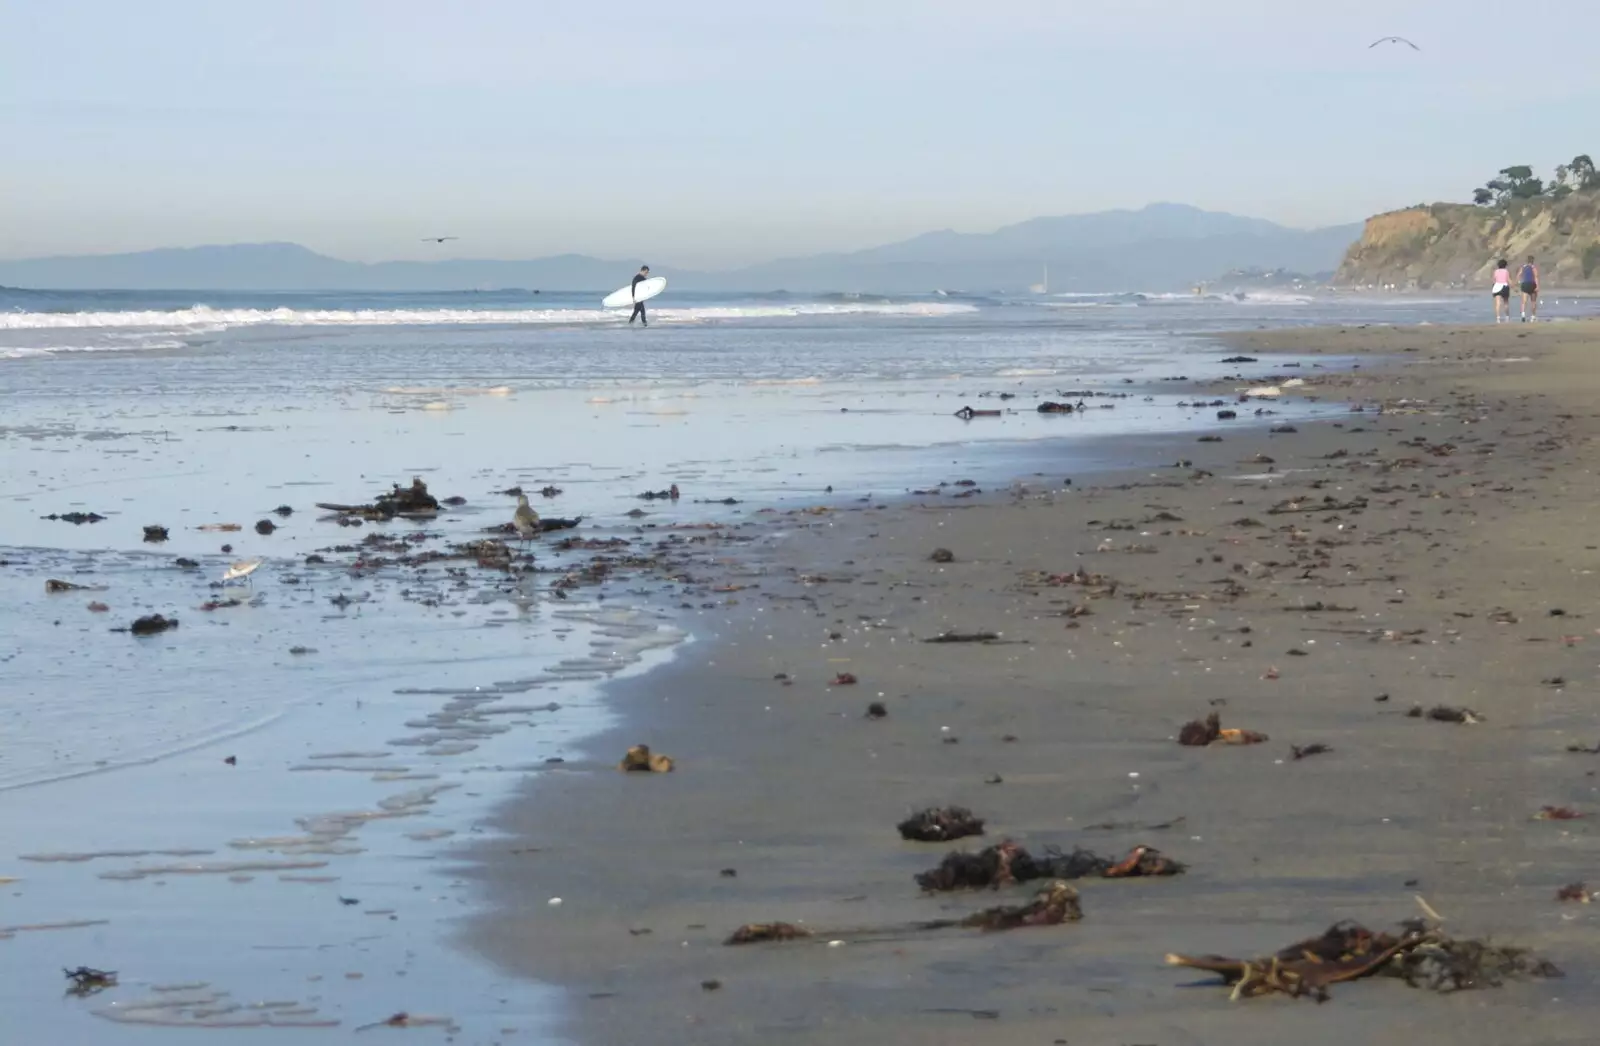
point(1502, 292)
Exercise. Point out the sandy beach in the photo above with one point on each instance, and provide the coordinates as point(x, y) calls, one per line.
point(1433, 548)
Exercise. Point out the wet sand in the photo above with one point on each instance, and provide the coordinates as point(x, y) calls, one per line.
point(1452, 566)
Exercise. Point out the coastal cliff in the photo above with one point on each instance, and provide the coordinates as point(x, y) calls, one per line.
point(1456, 245)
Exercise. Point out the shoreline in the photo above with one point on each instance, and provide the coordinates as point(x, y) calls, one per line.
point(790, 787)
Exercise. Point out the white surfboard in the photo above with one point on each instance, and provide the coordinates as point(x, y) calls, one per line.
point(624, 298)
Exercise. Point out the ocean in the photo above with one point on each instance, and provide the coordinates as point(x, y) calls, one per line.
point(376, 704)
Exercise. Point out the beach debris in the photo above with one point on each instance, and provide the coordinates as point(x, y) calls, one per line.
point(219, 528)
point(1593, 749)
point(1199, 733)
point(55, 585)
point(150, 625)
point(942, 555)
point(1222, 415)
point(511, 492)
point(265, 527)
point(183, 563)
point(1445, 714)
point(1240, 359)
point(964, 637)
point(155, 533)
point(400, 501)
point(967, 413)
point(1262, 392)
point(1052, 407)
point(75, 518)
point(1057, 902)
point(231, 760)
point(1348, 951)
point(843, 679)
point(670, 494)
point(98, 608)
point(299, 651)
point(752, 933)
point(408, 1020)
point(283, 511)
point(86, 980)
point(1557, 813)
point(639, 759)
point(1315, 748)
point(710, 985)
point(1575, 892)
point(939, 824)
point(876, 710)
point(1283, 430)
point(1008, 862)
point(550, 492)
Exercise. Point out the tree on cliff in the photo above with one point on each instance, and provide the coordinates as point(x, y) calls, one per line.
point(1582, 173)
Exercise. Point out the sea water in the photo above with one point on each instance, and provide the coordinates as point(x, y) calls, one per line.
point(250, 817)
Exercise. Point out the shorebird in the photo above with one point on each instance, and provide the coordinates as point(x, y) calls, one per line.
point(438, 239)
point(1394, 40)
point(526, 521)
point(242, 569)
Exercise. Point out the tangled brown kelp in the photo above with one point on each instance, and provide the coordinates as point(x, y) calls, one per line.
point(1007, 862)
point(1421, 956)
point(639, 759)
point(400, 501)
point(940, 824)
point(1199, 733)
point(1055, 903)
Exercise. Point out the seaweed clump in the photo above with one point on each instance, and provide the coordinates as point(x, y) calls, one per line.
point(940, 824)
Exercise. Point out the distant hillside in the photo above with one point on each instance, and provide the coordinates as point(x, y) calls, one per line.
point(1456, 245)
point(1159, 247)
point(1163, 246)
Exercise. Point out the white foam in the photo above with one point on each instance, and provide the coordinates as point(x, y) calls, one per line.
point(205, 318)
point(22, 352)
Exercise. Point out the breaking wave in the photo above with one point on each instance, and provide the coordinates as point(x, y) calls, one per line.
point(204, 318)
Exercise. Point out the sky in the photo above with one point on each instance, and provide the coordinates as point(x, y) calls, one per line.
point(714, 133)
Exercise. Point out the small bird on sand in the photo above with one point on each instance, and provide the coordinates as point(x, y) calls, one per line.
point(438, 239)
point(526, 520)
point(1394, 40)
point(242, 569)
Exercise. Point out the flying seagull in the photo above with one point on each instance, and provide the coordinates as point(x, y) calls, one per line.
point(438, 239)
point(1394, 40)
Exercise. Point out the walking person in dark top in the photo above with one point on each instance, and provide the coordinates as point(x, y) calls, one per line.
point(638, 306)
point(1528, 279)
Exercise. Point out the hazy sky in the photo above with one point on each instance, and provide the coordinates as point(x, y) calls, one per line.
point(713, 132)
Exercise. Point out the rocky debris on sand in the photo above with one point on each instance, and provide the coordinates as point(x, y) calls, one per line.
point(98, 608)
point(1315, 748)
point(876, 710)
point(1199, 733)
point(1575, 892)
point(1056, 903)
point(86, 980)
point(55, 585)
point(639, 759)
point(752, 933)
point(1226, 415)
point(1240, 359)
point(843, 679)
point(75, 518)
point(155, 533)
point(400, 501)
point(1348, 951)
point(183, 563)
point(1052, 407)
point(1445, 714)
point(151, 624)
point(1557, 813)
point(1007, 863)
point(942, 555)
point(940, 824)
point(964, 637)
point(284, 511)
point(265, 527)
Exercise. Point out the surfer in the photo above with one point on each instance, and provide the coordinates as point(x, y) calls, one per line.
point(1502, 292)
point(638, 306)
point(1528, 277)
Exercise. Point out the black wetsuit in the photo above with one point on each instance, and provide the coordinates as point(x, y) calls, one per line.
point(638, 306)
